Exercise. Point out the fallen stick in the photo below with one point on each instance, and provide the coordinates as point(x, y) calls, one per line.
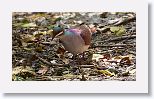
point(64, 65)
point(118, 38)
point(116, 45)
point(125, 21)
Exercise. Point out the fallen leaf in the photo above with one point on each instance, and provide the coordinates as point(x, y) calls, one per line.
point(22, 72)
point(68, 76)
point(106, 73)
point(61, 51)
point(132, 72)
point(125, 61)
point(107, 56)
point(43, 70)
point(125, 73)
point(97, 57)
point(27, 25)
point(118, 31)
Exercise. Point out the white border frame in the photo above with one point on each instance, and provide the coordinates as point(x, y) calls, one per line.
point(9, 86)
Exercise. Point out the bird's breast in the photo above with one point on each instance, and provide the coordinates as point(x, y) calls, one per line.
point(74, 43)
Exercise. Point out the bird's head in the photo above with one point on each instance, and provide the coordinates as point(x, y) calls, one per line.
point(57, 31)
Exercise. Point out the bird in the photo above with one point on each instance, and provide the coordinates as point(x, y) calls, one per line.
point(75, 40)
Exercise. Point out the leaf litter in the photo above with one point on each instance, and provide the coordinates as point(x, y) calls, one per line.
point(111, 56)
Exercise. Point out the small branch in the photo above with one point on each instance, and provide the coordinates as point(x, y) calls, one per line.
point(48, 63)
point(117, 45)
point(131, 52)
point(63, 65)
point(48, 43)
point(86, 66)
point(105, 29)
point(122, 38)
point(125, 21)
point(118, 39)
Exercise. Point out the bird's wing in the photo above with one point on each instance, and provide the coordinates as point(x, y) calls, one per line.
point(85, 34)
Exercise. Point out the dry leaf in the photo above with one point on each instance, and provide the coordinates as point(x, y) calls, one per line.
point(106, 73)
point(43, 70)
point(125, 61)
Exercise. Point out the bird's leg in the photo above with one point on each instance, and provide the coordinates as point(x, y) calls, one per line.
point(80, 58)
point(83, 58)
point(74, 56)
point(83, 55)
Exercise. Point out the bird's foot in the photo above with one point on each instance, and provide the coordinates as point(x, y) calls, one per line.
point(72, 63)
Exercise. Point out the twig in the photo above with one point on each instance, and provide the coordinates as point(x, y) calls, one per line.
point(63, 65)
point(105, 29)
point(131, 52)
point(117, 45)
point(48, 63)
point(48, 43)
point(86, 66)
point(118, 39)
point(125, 21)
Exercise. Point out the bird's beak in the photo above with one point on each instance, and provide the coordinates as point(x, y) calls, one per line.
point(57, 36)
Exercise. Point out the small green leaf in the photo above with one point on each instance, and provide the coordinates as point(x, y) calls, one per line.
point(106, 73)
point(118, 31)
point(27, 25)
point(68, 75)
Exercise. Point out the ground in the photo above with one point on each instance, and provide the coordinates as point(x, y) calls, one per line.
point(111, 55)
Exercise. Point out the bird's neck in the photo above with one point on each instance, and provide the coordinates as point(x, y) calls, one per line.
point(72, 32)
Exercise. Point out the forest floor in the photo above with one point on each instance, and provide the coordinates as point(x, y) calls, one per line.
point(110, 57)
